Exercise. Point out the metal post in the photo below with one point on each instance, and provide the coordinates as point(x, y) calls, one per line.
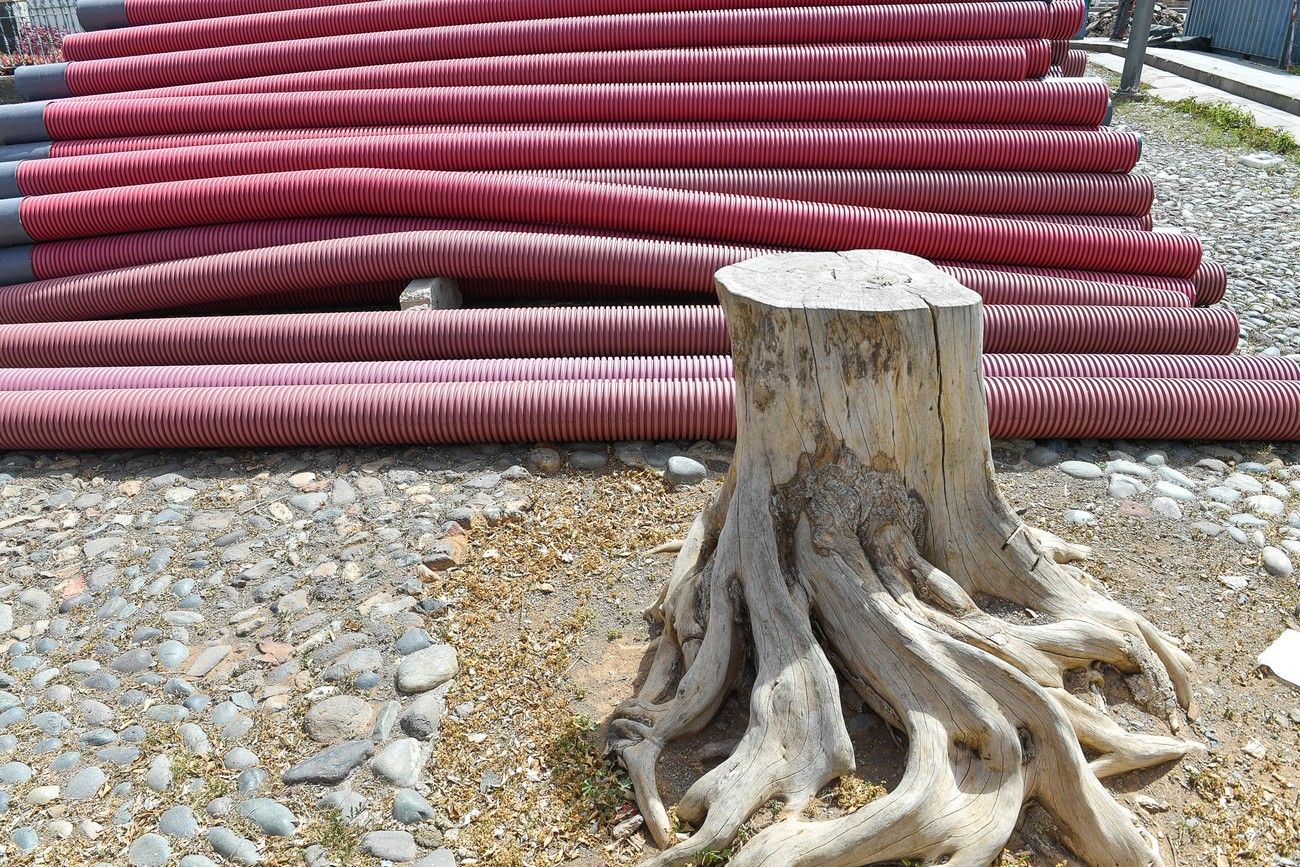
point(1130, 83)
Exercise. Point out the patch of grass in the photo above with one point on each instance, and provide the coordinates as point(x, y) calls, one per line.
point(341, 840)
point(1239, 124)
point(599, 786)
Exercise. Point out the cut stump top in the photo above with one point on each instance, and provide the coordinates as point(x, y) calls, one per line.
point(856, 280)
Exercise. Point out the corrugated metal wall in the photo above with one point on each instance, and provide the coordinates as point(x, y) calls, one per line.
point(1259, 29)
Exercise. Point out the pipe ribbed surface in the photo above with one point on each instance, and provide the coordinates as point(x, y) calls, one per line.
point(144, 12)
point(88, 256)
point(818, 155)
point(346, 20)
point(1070, 102)
point(368, 259)
point(1205, 409)
point(551, 201)
point(954, 192)
point(556, 332)
point(577, 410)
point(654, 367)
point(929, 147)
point(457, 370)
point(831, 25)
point(952, 61)
point(1087, 330)
point(1142, 366)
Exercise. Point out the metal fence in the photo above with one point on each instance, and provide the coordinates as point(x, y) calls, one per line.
point(31, 31)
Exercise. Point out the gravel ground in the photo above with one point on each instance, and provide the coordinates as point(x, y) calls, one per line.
point(350, 656)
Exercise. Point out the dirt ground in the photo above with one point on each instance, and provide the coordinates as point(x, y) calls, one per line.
point(547, 617)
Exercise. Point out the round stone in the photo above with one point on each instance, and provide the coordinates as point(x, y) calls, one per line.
point(233, 847)
point(1276, 562)
point(151, 850)
point(682, 470)
point(239, 759)
point(1080, 470)
point(410, 807)
point(85, 784)
point(179, 822)
point(339, 718)
point(15, 773)
point(427, 669)
point(390, 845)
point(275, 819)
point(399, 762)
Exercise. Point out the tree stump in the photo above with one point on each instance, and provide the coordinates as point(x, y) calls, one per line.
point(859, 540)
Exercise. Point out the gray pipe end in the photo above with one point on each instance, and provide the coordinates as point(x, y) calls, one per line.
point(12, 233)
point(1141, 143)
point(16, 265)
point(9, 181)
point(102, 14)
point(23, 122)
point(1110, 112)
point(34, 151)
point(43, 81)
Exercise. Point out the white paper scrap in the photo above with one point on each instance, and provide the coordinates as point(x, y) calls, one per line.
point(1283, 658)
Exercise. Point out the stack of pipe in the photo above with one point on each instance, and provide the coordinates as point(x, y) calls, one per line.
point(581, 168)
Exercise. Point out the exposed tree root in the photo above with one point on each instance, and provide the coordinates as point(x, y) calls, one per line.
point(860, 523)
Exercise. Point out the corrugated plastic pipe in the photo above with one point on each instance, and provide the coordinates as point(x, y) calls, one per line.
point(92, 255)
point(541, 332)
point(1206, 285)
point(1143, 366)
point(577, 410)
point(653, 367)
point(601, 207)
point(391, 15)
point(479, 253)
point(804, 146)
point(871, 167)
point(1030, 19)
point(1066, 102)
point(108, 14)
point(954, 192)
point(944, 61)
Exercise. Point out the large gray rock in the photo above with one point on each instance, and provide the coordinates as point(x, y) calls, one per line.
point(410, 807)
point(179, 822)
point(427, 669)
point(232, 847)
point(84, 784)
point(151, 850)
point(331, 765)
point(390, 845)
point(684, 471)
point(275, 819)
point(339, 718)
point(399, 762)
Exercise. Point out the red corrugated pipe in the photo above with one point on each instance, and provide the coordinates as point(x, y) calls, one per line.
point(1143, 366)
point(1008, 60)
point(579, 410)
point(106, 14)
point(653, 367)
point(603, 207)
point(1060, 102)
point(392, 15)
point(556, 332)
point(88, 256)
point(1205, 286)
point(925, 147)
point(913, 23)
point(673, 159)
point(954, 192)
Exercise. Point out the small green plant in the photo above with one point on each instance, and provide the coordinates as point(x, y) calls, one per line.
point(1240, 125)
point(341, 840)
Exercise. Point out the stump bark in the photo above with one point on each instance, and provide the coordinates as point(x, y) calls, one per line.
point(860, 540)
